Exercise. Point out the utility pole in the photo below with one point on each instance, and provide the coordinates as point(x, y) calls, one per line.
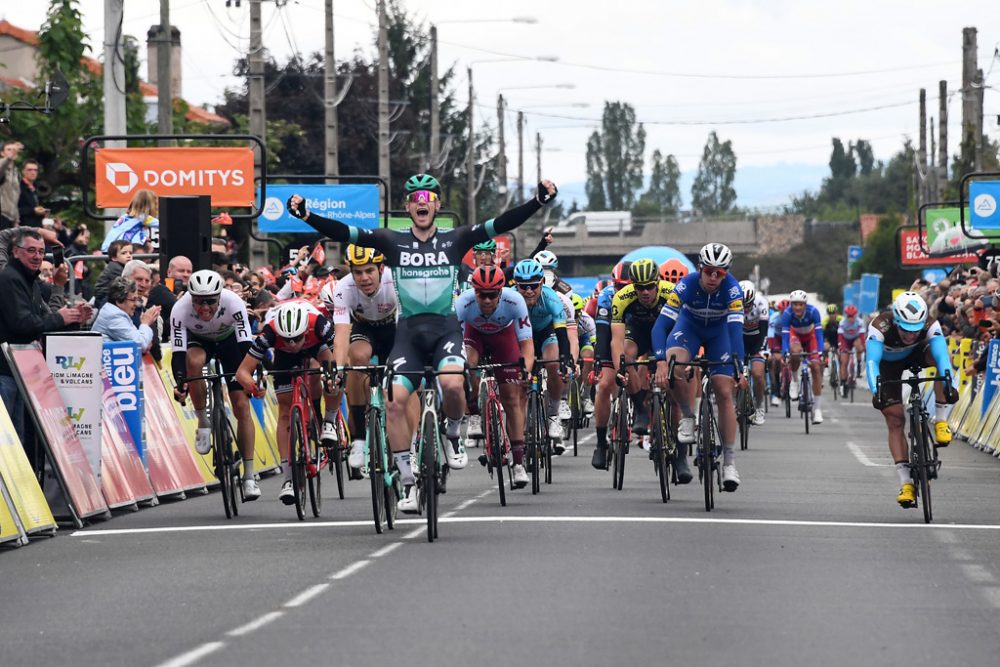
point(257, 120)
point(922, 151)
point(164, 73)
point(114, 73)
point(435, 146)
point(978, 86)
point(470, 159)
point(970, 127)
point(332, 160)
point(502, 158)
point(538, 154)
point(383, 100)
point(520, 156)
point(942, 132)
point(932, 179)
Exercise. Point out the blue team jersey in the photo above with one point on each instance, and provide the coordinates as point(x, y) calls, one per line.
point(548, 311)
point(604, 300)
point(723, 305)
point(774, 324)
point(511, 310)
point(810, 322)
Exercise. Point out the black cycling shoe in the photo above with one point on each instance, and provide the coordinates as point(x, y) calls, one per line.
point(684, 475)
point(641, 425)
point(600, 458)
point(483, 460)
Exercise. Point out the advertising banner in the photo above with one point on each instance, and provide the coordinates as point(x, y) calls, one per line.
point(171, 460)
point(119, 453)
point(851, 292)
point(944, 233)
point(226, 174)
point(75, 362)
point(355, 204)
point(10, 527)
point(76, 477)
point(121, 362)
point(26, 497)
point(911, 253)
point(868, 293)
point(992, 374)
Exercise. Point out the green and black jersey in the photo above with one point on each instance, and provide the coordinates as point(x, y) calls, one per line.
point(425, 272)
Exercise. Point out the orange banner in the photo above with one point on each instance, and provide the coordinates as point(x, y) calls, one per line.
point(224, 173)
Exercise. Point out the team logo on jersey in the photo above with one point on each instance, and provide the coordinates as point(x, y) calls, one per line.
point(735, 292)
point(524, 323)
point(681, 286)
point(423, 259)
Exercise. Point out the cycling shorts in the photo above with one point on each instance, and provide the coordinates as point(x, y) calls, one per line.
point(642, 336)
point(381, 337)
point(425, 340)
point(753, 347)
point(543, 337)
point(227, 351)
point(692, 336)
point(286, 361)
point(845, 344)
point(893, 370)
point(774, 344)
point(498, 348)
point(808, 342)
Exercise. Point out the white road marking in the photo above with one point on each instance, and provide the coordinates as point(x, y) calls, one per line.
point(305, 596)
point(255, 624)
point(863, 458)
point(976, 573)
point(695, 520)
point(351, 569)
point(193, 656)
point(386, 550)
point(225, 526)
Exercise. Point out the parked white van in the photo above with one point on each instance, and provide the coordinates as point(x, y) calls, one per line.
point(595, 221)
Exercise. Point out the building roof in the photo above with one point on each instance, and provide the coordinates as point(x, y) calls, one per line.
point(29, 37)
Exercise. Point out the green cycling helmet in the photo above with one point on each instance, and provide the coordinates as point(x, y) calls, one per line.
point(422, 182)
point(485, 246)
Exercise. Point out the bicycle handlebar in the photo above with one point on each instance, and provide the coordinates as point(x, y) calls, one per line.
point(697, 362)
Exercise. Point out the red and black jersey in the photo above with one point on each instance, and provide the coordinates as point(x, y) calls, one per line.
point(319, 335)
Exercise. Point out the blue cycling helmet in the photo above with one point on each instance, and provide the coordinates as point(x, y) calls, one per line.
point(527, 270)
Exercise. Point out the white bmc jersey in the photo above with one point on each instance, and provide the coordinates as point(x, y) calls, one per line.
point(759, 311)
point(230, 318)
point(568, 311)
point(351, 304)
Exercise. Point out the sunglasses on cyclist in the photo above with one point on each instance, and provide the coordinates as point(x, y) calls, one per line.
point(422, 197)
point(529, 286)
point(713, 272)
point(648, 287)
point(487, 294)
point(295, 339)
point(208, 301)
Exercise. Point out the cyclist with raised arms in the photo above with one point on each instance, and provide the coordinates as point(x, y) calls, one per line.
point(801, 331)
point(211, 322)
point(755, 325)
point(602, 359)
point(548, 327)
point(850, 333)
point(898, 340)
point(425, 262)
point(705, 309)
point(300, 336)
point(634, 309)
point(363, 308)
point(497, 324)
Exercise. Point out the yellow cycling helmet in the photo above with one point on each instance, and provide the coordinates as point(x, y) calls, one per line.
point(359, 256)
point(644, 271)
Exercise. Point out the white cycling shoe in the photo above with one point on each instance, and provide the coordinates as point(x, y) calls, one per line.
point(758, 417)
point(730, 478)
point(817, 416)
point(555, 428)
point(793, 391)
point(410, 502)
point(564, 411)
point(475, 428)
point(356, 458)
point(519, 477)
point(251, 491)
point(685, 431)
point(457, 458)
point(203, 440)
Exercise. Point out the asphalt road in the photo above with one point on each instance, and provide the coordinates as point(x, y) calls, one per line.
point(810, 562)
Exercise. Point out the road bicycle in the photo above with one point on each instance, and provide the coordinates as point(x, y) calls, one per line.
point(745, 409)
point(924, 462)
point(834, 368)
point(806, 402)
point(537, 444)
point(226, 460)
point(379, 465)
point(707, 432)
point(619, 428)
point(496, 445)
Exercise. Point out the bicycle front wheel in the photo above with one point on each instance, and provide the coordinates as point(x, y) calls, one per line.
point(533, 441)
point(314, 473)
point(743, 417)
point(920, 440)
point(662, 455)
point(376, 467)
point(297, 461)
point(494, 444)
point(706, 444)
point(222, 452)
point(428, 472)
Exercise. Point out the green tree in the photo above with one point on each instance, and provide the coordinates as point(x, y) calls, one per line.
point(842, 164)
point(881, 256)
point(615, 159)
point(664, 194)
point(865, 157)
point(712, 191)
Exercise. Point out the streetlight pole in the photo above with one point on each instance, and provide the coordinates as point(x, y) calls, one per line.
point(520, 156)
point(470, 161)
point(435, 146)
point(502, 157)
point(383, 100)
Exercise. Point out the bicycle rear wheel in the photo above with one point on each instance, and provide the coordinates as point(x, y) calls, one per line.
point(314, 471)
point(786, 384)
point(376, 466)
point(576, 410)
point(533, 440)
point(297, 461)
point(222, 452)
point(743, 417)
point(662, 455)
point(706, 443)
point(337, 454)
point(428, 473)
point(805, 395)
point(919, 462)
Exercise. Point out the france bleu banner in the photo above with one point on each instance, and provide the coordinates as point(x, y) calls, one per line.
point(868, 292)
point(992, 374)
point(122, 364)
point(356, 204)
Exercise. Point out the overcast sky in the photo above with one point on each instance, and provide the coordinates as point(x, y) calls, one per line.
point(686, 67)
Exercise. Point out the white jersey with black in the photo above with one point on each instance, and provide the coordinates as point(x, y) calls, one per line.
point(230, 318)
point(753, 316)
point(569, 312)
point(351, 304)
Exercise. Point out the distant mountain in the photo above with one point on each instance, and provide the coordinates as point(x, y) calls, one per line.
point(756, 186)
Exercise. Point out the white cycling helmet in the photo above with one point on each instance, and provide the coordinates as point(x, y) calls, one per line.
point(715, 255)
point(798, 296)
point(327, 292)
point(749, 293)
point(547, 259)
point(205, 283)
point(291, 319)
point(909, 311)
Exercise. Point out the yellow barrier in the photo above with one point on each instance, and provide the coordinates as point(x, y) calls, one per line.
point(964, 355)
point(959, 410)
point(26, 498)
